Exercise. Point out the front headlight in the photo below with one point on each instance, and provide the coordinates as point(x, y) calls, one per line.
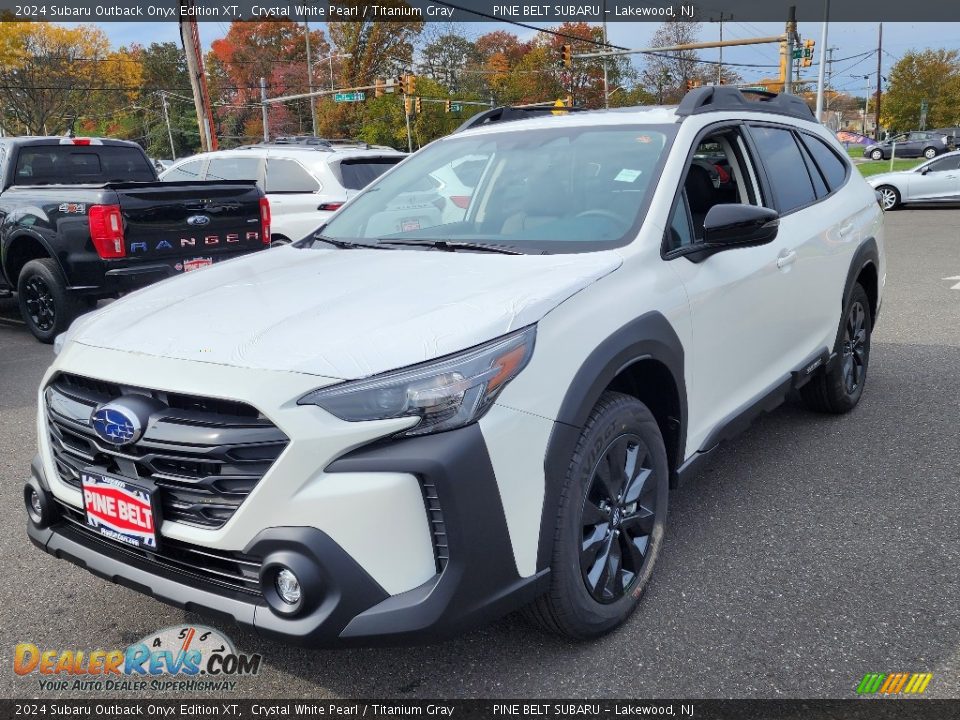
point(445, 394)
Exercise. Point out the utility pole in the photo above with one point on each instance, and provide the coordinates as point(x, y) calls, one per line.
point(822, 70)
point(190, 37)
point(606, 81)
point(720, 64)
point(313, 104)
point(263, 108)
point(166, 117)
point(786, 62)
point(876, 129)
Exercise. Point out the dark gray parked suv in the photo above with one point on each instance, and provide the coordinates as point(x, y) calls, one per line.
point(912, 144)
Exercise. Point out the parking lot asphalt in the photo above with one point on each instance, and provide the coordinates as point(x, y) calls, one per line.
point(811, 551)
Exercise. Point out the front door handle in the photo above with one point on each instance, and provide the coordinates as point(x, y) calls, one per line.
point(786, 259)
point(845, 230)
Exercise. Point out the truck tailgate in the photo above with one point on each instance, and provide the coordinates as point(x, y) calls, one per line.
point(191, 222)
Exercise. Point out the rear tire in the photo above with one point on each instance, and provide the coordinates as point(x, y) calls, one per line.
point(930, 153)
point(46, 305)
point(839, 390)
point(889, 197)
point(610, 522)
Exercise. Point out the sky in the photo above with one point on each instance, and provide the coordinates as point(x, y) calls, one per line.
point(849, 39)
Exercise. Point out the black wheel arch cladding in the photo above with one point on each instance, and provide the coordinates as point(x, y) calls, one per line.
point(648, 337)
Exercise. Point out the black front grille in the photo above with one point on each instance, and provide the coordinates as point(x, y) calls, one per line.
point(204, 455)
point(226, 570)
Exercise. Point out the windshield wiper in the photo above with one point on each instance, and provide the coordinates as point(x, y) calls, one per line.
point(342, 244)
point(452, 246)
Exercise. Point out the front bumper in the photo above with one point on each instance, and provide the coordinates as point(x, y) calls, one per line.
point(477, 580)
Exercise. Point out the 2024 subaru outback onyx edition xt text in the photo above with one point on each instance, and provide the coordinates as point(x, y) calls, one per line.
point(410, 423)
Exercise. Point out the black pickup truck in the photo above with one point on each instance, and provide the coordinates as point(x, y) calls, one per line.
point(83, 219)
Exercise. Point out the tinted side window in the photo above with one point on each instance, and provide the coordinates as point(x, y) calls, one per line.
point(944, 164)
point(286, 176)
point(680, 231)
point(357, 174)
point(233, 168)
point(187, 171)
point(785, 167)
point(819, 184)
point(833, 168)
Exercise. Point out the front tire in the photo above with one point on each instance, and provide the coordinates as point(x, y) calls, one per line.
point(47, 306)
point(610, 522)
point(877, 155)
point(889, 197)
point(839, 390)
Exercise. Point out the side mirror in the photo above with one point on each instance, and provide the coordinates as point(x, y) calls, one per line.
point(735, 225)
point(924, 170)
point(731, 226)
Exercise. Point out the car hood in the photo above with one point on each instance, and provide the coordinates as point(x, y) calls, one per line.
point(340, 313)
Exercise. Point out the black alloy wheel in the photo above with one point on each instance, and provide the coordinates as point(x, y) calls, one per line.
point(618, 518)
point(854, 349)
point(40, 303)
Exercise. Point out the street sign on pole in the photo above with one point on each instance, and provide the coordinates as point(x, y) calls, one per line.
point(455, 107)
point(924, 108)
point(355, 96)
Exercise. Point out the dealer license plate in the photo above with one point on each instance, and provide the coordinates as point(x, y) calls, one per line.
point(120, 510)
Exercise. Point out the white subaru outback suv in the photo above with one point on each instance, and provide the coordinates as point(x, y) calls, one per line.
point(408, 424)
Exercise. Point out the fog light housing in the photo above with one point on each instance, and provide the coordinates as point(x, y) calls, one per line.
point(39, 506)
point(288, 587)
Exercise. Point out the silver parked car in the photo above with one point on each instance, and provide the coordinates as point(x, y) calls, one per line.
point(937, 180)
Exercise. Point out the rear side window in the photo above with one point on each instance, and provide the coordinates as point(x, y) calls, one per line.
point(781, 157)
point(357, 174)
point(187, 171)
point(233, 168)
point(73, 164)
point(944, 164)
point(833, 168)
point(819, 184)
point(286, 176)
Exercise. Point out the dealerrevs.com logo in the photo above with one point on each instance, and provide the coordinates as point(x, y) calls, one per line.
point(181, 658)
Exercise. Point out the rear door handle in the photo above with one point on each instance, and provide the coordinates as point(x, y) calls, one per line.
point(786, 259)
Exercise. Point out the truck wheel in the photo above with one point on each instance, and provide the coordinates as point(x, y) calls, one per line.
point(610, 522)
point(47, 306)
point(839, 390)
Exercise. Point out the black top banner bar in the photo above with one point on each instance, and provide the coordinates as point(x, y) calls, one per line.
point(508, 709)
point(462, 11)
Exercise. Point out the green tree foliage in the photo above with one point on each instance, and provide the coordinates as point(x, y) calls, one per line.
point(931, 75)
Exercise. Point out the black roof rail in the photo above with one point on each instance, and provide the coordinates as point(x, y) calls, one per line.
point(719, 98)
point(507, 113)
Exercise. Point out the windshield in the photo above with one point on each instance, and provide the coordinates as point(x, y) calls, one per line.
point(571, 189)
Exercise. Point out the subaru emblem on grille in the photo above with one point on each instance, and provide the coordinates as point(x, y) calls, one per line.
point(116, 424)
point(198, 220)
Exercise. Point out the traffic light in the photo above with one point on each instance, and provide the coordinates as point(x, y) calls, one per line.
point(447, 106)
point(807, 59)
point(419, 105)
point(379, 87)
point(566, 56)
point(408, 105)
point(411, 85)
